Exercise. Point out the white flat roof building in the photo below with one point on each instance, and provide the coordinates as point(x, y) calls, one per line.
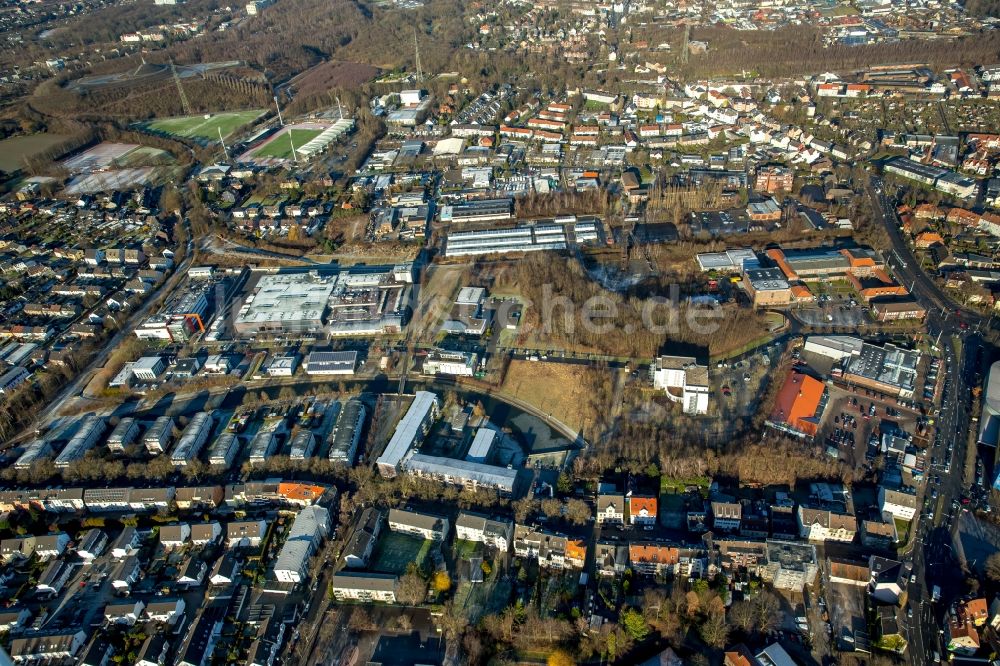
point(411, 429)
point(283, 366)
point(730, 261)
point(684, 381)
point(471, 296)
point(482, 444)
point(293, 302)
point(462, 472)
point(836, 347)
point(149, 368)
point(442, 362)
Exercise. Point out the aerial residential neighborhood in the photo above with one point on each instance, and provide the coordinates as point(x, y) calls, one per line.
point(416, 332)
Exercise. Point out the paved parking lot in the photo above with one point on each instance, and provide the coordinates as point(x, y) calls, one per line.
point(848, 422)
point(846, 604)
point(832, 315)
point(739, 383)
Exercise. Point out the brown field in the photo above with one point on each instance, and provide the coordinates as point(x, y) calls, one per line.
point(334, 74)
point(436, 300)
point(575, 394)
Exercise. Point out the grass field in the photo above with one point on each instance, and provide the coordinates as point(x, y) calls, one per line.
point(16, 148)
point(395, 552)
point(281, 147)
point(199, 127)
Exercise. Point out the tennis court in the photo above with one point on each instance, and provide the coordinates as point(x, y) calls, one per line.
point(394, 553)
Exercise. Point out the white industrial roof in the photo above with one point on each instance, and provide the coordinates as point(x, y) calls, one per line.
point(290, 297)
point(408, 428)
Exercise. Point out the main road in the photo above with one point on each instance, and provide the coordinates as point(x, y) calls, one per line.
point(907, 269)
point(933, 560)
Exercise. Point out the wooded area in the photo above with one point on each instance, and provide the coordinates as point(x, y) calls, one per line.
point(636, 323)
point(798, 50)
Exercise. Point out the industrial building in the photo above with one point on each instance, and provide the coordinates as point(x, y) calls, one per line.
point(331, 362)
point(730, 261)
point(411, 430)
point(192, 439)
point(91, 430)
point(836, 347)
point(346, 434)
point(889, 369)
point(529, 237)
point(181, 318)
point(217, 363)
point(286, 303)
point(921, 173)
point(944, 180)
point(467, 316)
point(487, 210)
point(149, 368)
point(370, 301)
point(443, 362)
point(461, 472)
point(283, 365)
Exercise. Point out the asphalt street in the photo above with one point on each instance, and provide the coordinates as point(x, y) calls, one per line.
point(934, 562)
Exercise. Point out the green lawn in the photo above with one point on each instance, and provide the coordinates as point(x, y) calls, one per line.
point(395, 552)
point(466, 549)
point(677, 485)
point(199, 127)
point(281, 147)
point(903, 530)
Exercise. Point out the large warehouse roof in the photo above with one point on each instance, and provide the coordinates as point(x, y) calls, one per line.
point(989, 423)
point(287, 298)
